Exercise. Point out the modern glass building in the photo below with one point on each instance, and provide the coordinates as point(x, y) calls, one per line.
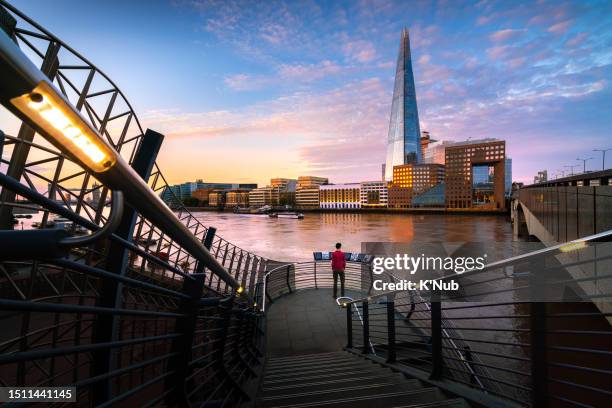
point(404, 144)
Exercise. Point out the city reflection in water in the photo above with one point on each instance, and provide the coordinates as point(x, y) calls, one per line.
point(295, 240)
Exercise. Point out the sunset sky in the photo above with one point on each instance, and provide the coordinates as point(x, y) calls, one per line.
point(246, 91)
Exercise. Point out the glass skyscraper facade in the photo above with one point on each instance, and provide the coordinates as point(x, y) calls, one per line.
point(403, 146)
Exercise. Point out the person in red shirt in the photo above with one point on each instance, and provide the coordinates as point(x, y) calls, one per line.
point(338, 264)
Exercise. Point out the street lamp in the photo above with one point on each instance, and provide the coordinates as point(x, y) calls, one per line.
point(27, 92)
point(571, 168)
point(603, 159)
point(584, 163)
point(30, 95)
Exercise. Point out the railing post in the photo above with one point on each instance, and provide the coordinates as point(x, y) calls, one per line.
point(105, 328)
point(391, 332)
point(349, 325)
point(538, 283)
point(186, 326)
point(366, 328)
point(288, 273)
point(436, 340)
point(539, 371)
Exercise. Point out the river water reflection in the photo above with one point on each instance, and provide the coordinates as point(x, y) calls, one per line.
point(295, 240)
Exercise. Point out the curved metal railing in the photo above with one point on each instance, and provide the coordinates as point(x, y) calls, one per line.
point(129, 314)
point(43, 168)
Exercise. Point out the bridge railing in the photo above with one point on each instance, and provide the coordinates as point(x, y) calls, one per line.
point(533, 329)
point(569, 212)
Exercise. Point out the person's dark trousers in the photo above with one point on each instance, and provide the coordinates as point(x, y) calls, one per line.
point(337, 274)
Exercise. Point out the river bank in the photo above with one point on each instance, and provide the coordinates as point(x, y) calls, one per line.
point(459, 211)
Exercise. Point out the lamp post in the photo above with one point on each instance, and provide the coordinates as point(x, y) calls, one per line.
point(584, 163)
point(571, 168)
point(603, 158)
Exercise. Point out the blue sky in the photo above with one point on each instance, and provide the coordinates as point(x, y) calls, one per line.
point(251, 90)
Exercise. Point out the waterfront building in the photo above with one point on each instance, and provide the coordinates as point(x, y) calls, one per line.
point(475, 174)
point(216, 199)
point(399, 197)
point(261, 196)
point(284, 184)
point(419, 177)
point(307, 191)
point(434, 197)
point(201, 194)
point(179, 192)
point(340, 196)
point(403, 142)
point(237, 198)
point(373, 194)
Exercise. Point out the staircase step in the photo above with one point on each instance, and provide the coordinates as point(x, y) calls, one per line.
point(376, 399)
point(449, 403)
point(318, 376)
point(346, 381)
point(319, 371)
point(325, 394)
point(309, 356)
point(306, 363)
point(302, 370)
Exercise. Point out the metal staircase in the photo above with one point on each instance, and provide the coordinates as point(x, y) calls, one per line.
point(343, 379)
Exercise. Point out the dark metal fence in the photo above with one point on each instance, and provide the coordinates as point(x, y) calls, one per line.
point(99, 295)
point(533, 329)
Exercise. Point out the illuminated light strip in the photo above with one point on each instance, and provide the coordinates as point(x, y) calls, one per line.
point(54, 115)
point(573, 246)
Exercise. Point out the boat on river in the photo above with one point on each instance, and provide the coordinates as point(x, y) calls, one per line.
point(291, 215)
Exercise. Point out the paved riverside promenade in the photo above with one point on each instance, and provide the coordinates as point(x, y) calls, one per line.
point(305, 322)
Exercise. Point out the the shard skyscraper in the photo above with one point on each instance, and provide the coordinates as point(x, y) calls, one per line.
point(403, 145)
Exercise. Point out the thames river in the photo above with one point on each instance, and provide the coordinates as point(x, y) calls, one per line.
point(295, 240)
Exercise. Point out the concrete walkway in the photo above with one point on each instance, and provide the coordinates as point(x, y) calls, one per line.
point(305, 322)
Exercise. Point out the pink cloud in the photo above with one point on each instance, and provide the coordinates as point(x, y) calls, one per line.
point(360, 50)
point(577, 40)
point(506, 34)
point(560, 28)
point(309, 72)
point(497, 52)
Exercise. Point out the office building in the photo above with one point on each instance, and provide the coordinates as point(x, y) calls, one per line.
point(403, 141)
point(201, 194)
point(475, 174)
point(216, 199)
point(419, 177)
point(340, 196)
point(398, 196)
point(261, 196)
point(284, 184)
point(307, 191)
point(178, 192)
point(237, 198)
point(373, 194)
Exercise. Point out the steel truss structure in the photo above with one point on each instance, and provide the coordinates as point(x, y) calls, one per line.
point(132, 319)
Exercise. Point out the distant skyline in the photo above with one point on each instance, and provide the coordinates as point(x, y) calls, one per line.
point(248, 91)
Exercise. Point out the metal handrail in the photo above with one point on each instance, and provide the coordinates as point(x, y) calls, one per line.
point(294, 264)
point(508, 261)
